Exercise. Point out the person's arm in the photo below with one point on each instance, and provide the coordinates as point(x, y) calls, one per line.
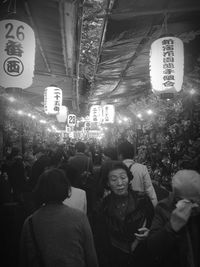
point(84, 203)
point(89, 248)
point(148, 186)
point(162, 238)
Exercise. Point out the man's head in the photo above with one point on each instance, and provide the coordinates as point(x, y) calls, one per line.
point(125, 151)
point(80, 147)
point(186, 185)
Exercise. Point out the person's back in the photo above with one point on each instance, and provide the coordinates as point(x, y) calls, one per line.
point(142, 181)
point(80, 162)
point(63, 234)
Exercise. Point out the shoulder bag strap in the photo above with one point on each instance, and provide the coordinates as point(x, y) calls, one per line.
point(41, 261)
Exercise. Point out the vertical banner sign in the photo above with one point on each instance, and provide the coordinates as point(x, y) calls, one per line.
point(108, 113)
point(95, 113)
point(71, 120)
point(87, 125)
point(166, 65)
point(52, 99)
point(17, 54)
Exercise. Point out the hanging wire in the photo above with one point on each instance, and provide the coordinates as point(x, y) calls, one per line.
point(12, 7)
point(165, 22)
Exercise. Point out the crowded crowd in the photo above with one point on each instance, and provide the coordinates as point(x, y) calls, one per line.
point(82, 204)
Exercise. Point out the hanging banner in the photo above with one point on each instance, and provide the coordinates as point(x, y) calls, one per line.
point(71, 120)
point(17, 54)
point(95, 113)
point(166, 65)
point(108, 112)
point(52, 99)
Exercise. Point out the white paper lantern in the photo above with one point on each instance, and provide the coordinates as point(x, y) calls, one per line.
point(17, 54)
point(166, 65)
point(95, 113)
point(52, 99)
point(71, 120)
point(62, 115)
point(108, 112)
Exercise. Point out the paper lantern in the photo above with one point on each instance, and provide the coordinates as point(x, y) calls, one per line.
point(52, 99)
point(62, 115)
point(71, 120)
point(166, 65)
point(95, 113)
point(17, 54)
point(108, 112)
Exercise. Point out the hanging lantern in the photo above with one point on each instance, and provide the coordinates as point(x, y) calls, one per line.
point(52, 99)
point(95, 113)
point(71, 120)
point(62, 115)
point(166, 65)
point(17, 54)
point(108, 113)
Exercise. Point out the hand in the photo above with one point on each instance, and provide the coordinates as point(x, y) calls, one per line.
point(143, 233)
point(181, 214)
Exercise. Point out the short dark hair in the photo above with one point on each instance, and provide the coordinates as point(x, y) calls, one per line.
point(52, 186)
point(80, 146)
point(126, 149)
point(114, 165)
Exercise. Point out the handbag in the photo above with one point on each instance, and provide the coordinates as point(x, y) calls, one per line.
point(38, 252)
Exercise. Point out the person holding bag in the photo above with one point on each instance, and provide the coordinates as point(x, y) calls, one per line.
point(121, 220)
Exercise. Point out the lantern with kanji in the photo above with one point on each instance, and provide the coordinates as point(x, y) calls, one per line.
point(95, 113)
point(108, 113)
point(62, 115)
point(52, 99)
point(17, 54)
point(166, 65)
point(71, 120)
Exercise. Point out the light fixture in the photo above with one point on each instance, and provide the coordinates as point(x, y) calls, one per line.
point(139, 115)
point(149, 112)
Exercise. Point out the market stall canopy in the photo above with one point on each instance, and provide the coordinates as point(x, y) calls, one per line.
point(97, 51)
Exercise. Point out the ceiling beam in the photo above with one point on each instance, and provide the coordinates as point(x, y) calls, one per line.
point(127, 13)
point(37, 36)
point(119, 14)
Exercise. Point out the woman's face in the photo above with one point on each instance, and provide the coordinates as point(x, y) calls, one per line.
point(118, 181)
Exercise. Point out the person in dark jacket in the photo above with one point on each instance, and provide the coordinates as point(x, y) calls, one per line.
point(174, 237)
point(121, 220)
point(81, 162)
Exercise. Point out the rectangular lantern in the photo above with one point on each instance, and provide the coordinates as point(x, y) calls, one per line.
point(108, 113)
point(52, 99)
point(71, 120)
point(166, 65)
point(17, 54)
point(96, 113)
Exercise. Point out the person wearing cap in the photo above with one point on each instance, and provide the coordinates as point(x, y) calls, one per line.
point(174, 237)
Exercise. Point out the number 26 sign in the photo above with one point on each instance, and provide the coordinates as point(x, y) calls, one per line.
point(71, 120)
point(17, 54)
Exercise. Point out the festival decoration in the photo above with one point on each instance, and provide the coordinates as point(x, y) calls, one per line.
point(108, 113)
point(166, 65)
point(52, 99)
point(71, 120)
point(95, 113)
point(17, 54)
point(62, 115)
